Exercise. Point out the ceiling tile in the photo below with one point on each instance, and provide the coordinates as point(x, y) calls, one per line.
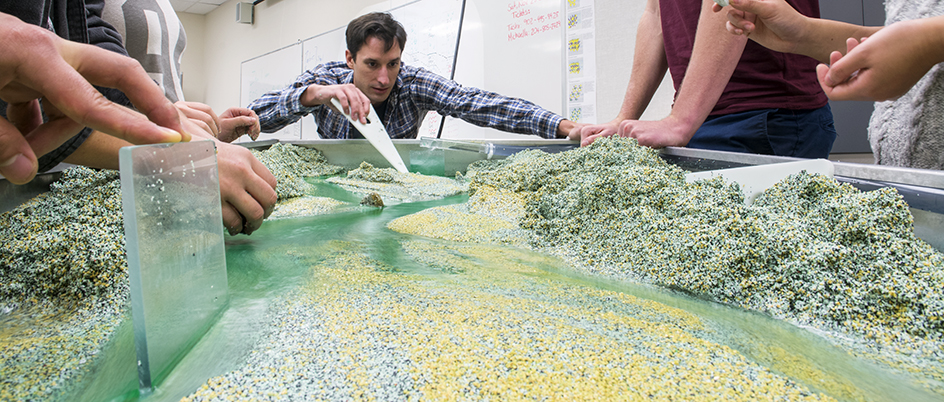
point(181, 5)
point(202, 8)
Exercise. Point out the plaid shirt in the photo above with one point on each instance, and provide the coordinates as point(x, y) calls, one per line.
point(416, 92)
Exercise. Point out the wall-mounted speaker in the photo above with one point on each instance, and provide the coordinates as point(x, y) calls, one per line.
point(244, 13)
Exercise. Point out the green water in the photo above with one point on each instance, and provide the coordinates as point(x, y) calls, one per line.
point(266, 265)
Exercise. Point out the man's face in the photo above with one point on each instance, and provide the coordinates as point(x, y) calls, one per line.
point(375, 71)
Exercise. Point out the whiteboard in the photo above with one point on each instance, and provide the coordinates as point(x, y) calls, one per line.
point(269, 72)
point(514, 48)
point(320, 49)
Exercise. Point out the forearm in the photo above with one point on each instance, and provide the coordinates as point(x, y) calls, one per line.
point(314, 95)
point(933, 36)
point(99, 150)
point(714, 57)
point(649, 64)
point(822, 37)
point(278, 109)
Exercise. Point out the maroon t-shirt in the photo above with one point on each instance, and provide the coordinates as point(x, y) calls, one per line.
point(763, 79)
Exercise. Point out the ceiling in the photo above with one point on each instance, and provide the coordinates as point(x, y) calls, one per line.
point(196, 6)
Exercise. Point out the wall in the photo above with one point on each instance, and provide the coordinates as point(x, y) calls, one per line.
point(616, 41)
point(191, 61)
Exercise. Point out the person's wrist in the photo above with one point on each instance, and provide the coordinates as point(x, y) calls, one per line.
point(308, 98)
point(564, 128)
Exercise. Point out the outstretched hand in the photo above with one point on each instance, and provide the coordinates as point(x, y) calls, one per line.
point(36, 64)
point(881, 67)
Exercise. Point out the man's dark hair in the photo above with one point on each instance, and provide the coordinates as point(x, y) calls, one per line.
point(378, 25)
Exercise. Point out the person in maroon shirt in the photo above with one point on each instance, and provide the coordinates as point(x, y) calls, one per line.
point(731, 94)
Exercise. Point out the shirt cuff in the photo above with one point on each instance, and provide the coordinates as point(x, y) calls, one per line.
point(295, 102)
point(548, 122)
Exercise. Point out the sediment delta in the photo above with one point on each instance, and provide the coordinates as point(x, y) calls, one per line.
point(810, 250)
point(476, 315)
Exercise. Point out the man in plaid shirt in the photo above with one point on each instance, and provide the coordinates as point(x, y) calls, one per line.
point(401, 94)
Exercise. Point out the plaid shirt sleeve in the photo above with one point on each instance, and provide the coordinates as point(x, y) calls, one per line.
point(482, 108)
point(279, 108)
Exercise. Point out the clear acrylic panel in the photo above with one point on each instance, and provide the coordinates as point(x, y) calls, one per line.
point(176, 258)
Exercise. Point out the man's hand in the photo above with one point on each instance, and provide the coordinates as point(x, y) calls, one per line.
point(886, 65)
point(36, 64)
point(202, 115)
point(237, 121)
point(353, 101)
point(667, 132)
point(247, 187)
point(584, 133)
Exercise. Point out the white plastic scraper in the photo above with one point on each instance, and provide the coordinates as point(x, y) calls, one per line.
point(755, 179)
point(375, 132)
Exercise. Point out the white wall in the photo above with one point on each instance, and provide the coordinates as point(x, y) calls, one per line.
point(217, 45)
point(192, 64)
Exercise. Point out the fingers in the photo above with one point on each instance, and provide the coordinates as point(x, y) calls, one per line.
point(832, 91)
point(739, 23)
point(50, 135)
point(17, 159)
point(842, 68)
point(232, 127)
point(25, 116)
point(45, 137)
point(82, 65)
point(851, 43)
point(355, 102)
point(247, 189)
point(591, 133)
point(590, 139)
point(751, 6)
point(232, 220)
point(202, 112)
point(199, 128)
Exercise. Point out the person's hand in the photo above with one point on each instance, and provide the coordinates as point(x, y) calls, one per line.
point(353, 101)
point(36, 64)
point(583, 133)
point(775, 24)
point(202, 115)
point(667, 132)
point(247, 187)
point(237, 121)
point(884, 66)
point(567, 127)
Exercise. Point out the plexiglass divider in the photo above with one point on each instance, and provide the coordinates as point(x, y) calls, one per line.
point(176, 258)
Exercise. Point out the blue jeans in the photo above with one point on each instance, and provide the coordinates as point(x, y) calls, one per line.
point(783, 132)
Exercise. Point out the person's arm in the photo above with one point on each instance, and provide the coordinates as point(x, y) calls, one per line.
point(313, 89)
point(775, 24)
point(35, 63)
point(353, 101)
point(247, 187)
point(482, 108)
point(648, 69)
point(714, 58)
point(649, 65)
point(887, 64)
